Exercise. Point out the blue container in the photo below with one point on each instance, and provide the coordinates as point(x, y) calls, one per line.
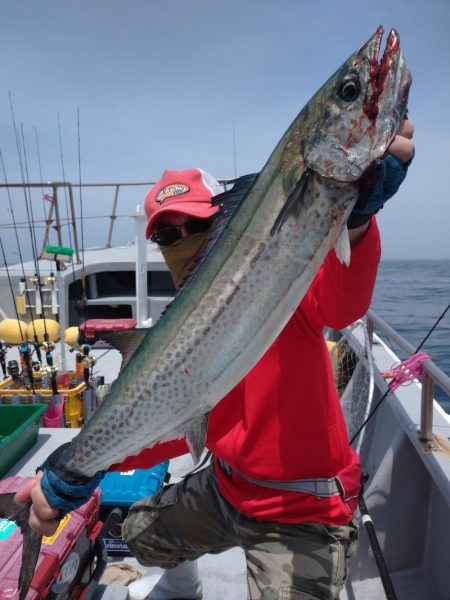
point(125, 488)
point(121, 490)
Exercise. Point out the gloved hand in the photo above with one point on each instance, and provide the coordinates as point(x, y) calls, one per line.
point(62, 494)
point(379, 183)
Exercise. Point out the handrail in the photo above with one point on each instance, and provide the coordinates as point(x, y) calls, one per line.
point(55, 222)
point(432, 374)
point(50, 184)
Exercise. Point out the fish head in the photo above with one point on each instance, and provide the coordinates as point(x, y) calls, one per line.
point(357, 112)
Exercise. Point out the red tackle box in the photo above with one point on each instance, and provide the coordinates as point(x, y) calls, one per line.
point(65, 563)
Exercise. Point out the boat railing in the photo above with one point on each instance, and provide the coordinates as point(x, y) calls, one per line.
point(54, 220)
point(431, 375)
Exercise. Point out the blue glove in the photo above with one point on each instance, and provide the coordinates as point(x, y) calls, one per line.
point(62, 494)
point(379, 183)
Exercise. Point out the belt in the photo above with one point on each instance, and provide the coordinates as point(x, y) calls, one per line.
point(320, 486)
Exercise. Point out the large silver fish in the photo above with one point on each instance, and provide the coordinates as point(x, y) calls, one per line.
point(256, 272)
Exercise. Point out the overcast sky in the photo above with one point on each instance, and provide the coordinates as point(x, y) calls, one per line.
point(164, 84)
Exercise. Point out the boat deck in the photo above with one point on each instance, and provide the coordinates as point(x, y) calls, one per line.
point(408, 496)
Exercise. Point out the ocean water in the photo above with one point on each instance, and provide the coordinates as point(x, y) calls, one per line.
point(410, 295)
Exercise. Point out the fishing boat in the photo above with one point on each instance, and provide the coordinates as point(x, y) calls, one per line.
point(401, 433)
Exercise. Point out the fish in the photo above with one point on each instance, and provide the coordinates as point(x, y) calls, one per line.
point(271, 235)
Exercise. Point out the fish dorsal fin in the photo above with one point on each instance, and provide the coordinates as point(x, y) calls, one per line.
point(228, 202)
point(126, 342)
point(294, 202)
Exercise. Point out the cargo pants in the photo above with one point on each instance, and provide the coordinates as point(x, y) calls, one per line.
point(183, 521)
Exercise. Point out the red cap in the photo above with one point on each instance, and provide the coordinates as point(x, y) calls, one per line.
point(186, 192)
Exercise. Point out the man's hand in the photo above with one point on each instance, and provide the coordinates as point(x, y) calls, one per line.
point(402, 149)
point(43, 518)
point(401, 146)
point(53, 493)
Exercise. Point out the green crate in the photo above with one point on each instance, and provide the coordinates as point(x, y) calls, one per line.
point(19, 424)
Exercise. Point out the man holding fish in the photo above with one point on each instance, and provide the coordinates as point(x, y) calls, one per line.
point(283, 483)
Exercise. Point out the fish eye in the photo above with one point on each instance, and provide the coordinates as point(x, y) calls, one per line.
point(350, 87)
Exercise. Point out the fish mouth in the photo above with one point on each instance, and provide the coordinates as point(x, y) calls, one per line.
point(391, 64)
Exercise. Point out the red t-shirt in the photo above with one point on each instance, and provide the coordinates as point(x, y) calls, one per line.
point(284, 420)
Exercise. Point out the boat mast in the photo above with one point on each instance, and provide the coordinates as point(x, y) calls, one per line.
point(142, 317)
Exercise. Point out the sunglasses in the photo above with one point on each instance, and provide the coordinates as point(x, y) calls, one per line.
point(169, 234)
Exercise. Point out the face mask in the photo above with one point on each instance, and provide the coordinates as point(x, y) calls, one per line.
point(180, 256)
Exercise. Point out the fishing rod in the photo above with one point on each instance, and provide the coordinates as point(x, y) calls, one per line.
point(385, 395)
point(3, 359)
point(37, 279)
point(374, 544)
point(26, 292)
point(11, 287)
point(48, 346)
point(83, 304)
point(364, 511)
point(24, 350)
point(68, 219)
point(61, 154)
point(36, 341)
point(40, 170)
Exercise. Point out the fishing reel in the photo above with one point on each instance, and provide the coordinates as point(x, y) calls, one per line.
point(13, 370)
point(85, 367)
point(3, 359)
point(50, 280)
point(88, 361)
point(50, 370)
point(48, 346)
point(34, 279)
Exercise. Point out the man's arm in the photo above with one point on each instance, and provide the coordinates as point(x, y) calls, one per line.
point(339, 295)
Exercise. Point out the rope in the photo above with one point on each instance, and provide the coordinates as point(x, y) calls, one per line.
point(385, 395)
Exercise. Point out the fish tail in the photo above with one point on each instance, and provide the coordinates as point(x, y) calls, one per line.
point(30, 549)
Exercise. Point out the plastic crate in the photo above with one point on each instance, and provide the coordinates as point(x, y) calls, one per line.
point(65, 563)
point(19, 425)
point(121, 490)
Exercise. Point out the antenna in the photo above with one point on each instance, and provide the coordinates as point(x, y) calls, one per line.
point(234, 150)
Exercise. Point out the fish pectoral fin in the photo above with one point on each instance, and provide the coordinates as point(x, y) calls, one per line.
point(294, 202)
point(126, 342)
point(196, 438)
point(342, 247)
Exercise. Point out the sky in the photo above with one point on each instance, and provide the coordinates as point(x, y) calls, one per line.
point(209, 83)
